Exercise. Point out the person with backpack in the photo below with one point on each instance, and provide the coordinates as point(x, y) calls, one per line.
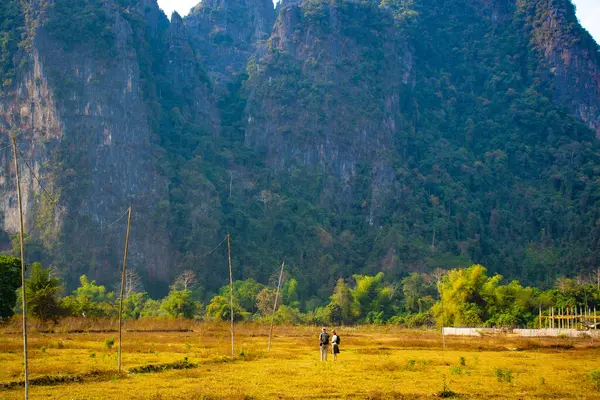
point(324, 344)
point(335, 344)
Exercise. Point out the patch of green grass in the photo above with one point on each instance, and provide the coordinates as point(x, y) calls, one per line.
point(594, 377)
point(109, 343)
point(504, 375)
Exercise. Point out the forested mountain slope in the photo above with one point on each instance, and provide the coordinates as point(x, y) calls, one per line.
point(342, 136)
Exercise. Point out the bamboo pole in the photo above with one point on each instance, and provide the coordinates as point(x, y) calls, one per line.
point(231, 295)
point(560, 321)
point(23, 294)
point(588, 314)
point(275, 307)
point(571, 317)
point(123, 287)
point(443, 316)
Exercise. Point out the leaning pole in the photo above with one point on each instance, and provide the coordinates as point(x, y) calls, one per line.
point(24, 297)
point(123, 287)
point(275, 307)
point(231, 295)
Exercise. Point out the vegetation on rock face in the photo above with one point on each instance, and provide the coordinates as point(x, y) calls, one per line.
point(11, 28)
point(364, 137)
point(485, 166)
point(81, 22)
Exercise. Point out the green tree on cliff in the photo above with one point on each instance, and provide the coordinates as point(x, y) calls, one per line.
point(10, 272)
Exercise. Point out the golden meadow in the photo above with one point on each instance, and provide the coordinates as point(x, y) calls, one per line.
point(183, 359)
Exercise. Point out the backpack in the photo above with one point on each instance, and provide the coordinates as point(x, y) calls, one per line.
point(338, 339)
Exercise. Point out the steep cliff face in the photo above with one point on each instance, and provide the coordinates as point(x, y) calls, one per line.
point(365, 136)
point(81, 119)
point(188, 80)
point(327, 96)
point(226, 33)
point(320, 53)
point(82, 106)
point(571, 58)
point(423, 120)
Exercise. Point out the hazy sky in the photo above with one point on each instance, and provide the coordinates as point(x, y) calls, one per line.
point(588, 12)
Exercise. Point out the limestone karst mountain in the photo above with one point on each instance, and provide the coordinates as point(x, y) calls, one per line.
point(344, 136)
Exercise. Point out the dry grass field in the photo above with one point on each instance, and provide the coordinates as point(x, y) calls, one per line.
point(375, 363)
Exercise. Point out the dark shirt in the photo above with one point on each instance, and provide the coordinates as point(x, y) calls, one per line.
point(324, 339)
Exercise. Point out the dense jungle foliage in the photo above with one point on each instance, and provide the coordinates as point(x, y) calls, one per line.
point(486, 166)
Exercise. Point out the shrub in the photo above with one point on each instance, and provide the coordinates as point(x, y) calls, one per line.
point(109, 343)
point(504, 375)
point(594, 377)
point(455, 370)
point(446, 392)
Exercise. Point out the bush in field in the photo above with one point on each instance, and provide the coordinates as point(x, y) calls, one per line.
point(595, 378)
point(220, 309)
point(288, 315)
point(152, 309)
point(90, 300)
point(417, 320)
point(134, 305)
point(504, 375)
point(42, 290)
point(109, 343)
point(180, 304)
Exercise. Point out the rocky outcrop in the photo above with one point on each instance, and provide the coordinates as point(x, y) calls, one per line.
point(226, 33)
point(188, 80)
point(319, 54)
point(571, 59)
point(82, 121)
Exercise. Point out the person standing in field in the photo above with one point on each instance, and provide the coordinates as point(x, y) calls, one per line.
point(335, 344)
point(324, 344)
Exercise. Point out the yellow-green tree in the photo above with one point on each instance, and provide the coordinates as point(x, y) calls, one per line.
point(461, 291)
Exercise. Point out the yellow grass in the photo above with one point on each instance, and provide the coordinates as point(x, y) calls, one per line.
point(375, 363)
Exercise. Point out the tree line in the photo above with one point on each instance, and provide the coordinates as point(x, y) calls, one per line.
point(459, 297)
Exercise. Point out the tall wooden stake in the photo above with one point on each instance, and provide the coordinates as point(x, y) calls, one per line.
point(275, 307)
point(123, 285)
point(23, 295)
point(443, 316)
point(231, 294)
